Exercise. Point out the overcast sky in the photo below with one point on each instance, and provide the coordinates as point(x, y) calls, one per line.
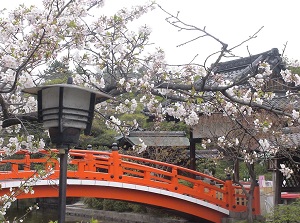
point(232, 21)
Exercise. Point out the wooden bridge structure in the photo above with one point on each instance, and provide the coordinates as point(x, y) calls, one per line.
point(115, 176)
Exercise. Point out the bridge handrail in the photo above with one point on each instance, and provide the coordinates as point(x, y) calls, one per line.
point(112, 166)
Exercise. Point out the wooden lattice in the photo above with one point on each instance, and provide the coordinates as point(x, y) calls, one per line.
point(291, 184)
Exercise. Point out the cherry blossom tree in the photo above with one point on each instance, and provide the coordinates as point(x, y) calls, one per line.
point(102, 49)
point(106, 55)
point(262, 117)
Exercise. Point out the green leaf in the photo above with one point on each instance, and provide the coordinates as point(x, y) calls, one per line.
point(72, 24)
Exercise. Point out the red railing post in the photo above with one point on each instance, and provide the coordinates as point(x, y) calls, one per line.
point(174, 179)
point(198, 186)
point(14, 168)
point(90, 162)
point(147, 176)
point(116, 163)
point(256, 200)
point(229, 190)
point(80, 167)
point(27, 162)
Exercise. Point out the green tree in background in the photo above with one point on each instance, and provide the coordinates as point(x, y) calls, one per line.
point(57, 73)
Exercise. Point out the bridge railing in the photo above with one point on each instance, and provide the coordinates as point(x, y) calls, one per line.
point(105, 166)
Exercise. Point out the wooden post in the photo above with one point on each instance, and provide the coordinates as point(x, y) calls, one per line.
point(192, 152)
point(90, 162)
point(116, 165)
point(277, 183)
point(27, 162)
point(174, 179)
point(230, 200)
point(256, 200)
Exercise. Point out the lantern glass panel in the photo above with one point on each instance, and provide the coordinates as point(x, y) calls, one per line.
point(75, 98)
point(75, 107)
point(50, 104)
point(50, 98)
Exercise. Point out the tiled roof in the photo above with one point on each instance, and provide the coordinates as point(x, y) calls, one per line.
point(207, 153)
point(157, 138)
point(235, 67)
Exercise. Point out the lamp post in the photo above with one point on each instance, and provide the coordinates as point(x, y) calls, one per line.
point(65, 110)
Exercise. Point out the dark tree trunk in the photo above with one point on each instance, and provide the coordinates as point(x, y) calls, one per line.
point(250, 217)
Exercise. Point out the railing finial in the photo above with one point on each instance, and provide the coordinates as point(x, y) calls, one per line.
point(228, 176)
point(115, 147)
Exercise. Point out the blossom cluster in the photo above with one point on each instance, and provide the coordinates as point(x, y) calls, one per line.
point(250, 157)
point(6, 200)
point(13, 145)
point(286, 171)
point(290, 77)
point(263, 126)
point(129, 106)
point(140, 147)
point(25, 186)
point(116, 124)
point(184, 112)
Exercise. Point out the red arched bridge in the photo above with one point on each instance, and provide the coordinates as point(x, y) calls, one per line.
point(116, 176)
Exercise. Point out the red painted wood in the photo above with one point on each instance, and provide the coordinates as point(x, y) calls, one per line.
point(115, 167)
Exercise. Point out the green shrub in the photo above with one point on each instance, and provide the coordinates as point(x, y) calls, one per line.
point(94, 220)
point(186, 183)
point(95, 203)
point(137, 208)
point(114, 205)
point(108, 205)
point(286, 213)
point(121, 206)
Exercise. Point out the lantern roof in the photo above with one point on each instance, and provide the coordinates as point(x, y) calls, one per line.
point(98, 94)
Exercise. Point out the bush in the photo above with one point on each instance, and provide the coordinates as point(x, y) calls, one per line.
point(95, 203)
point(286, 213)
point(121, 206)
point(186, 183)
point(108, 205)
point(114, 205)
point(137, 208)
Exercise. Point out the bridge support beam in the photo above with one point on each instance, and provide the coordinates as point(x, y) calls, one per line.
point(204, 213)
